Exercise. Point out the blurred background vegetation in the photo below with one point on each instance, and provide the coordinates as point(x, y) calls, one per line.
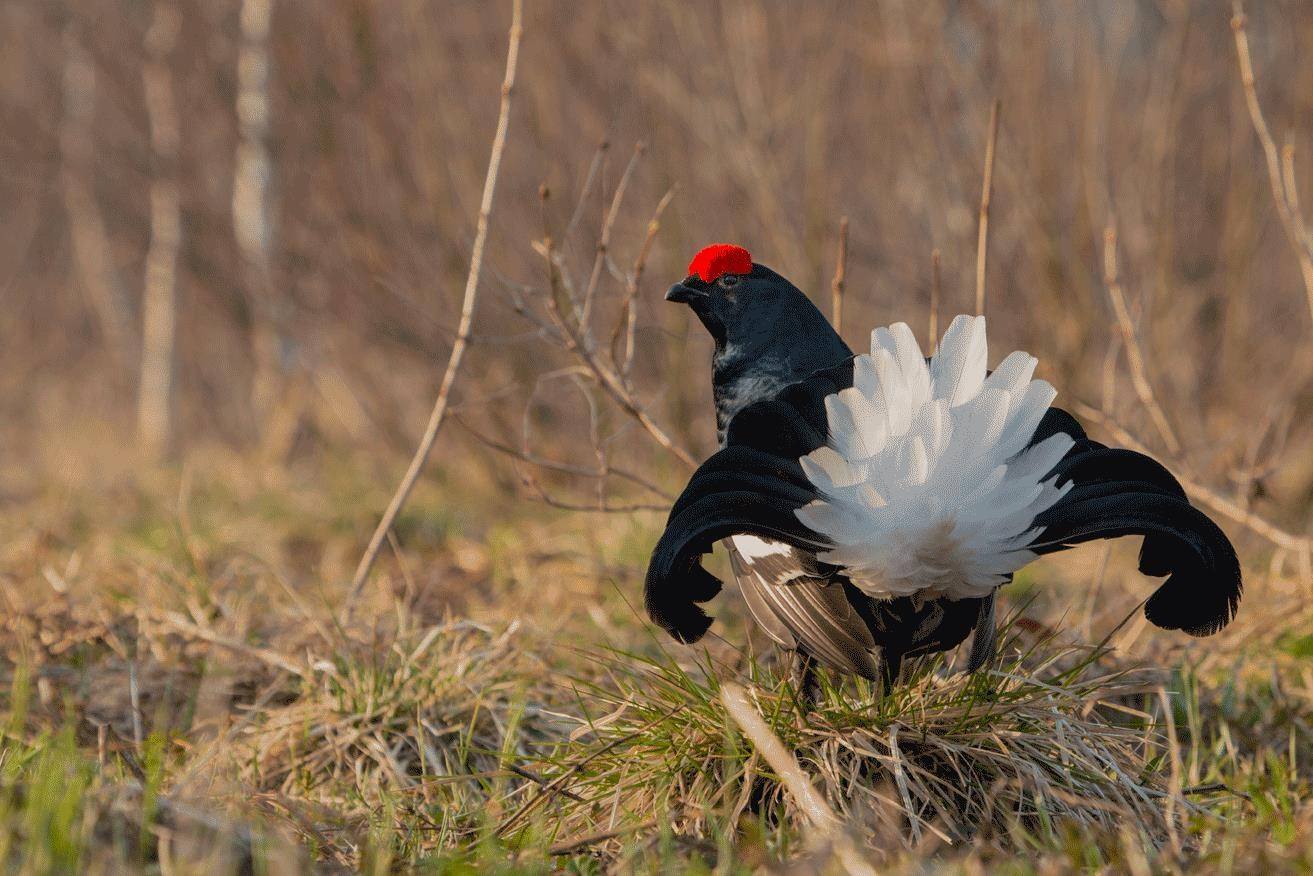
point(768, 120)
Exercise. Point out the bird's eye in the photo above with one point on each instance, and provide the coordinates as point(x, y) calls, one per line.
point(728, 280)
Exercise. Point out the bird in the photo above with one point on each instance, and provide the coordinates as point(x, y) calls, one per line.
point(873, 504)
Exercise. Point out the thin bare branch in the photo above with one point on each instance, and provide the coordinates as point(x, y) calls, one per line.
point(583, 348)
point(1293, 223)
point(603, 507)
point(1207, 497)
point(466, 316)
point(593, 167)
point(599, 474)
point(564, 467)
point(604, 239)
point(629, 311)
point(1134, 355)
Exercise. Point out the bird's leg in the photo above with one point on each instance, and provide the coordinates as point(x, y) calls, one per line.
point(984, 641)
point(805, 679)
point(891, 665)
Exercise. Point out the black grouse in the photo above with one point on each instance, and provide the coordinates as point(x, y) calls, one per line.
point(873, 504)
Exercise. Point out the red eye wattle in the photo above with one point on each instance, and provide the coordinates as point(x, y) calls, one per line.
point(713, 262)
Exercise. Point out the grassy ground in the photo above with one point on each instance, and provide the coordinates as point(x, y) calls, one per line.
point(183, 694)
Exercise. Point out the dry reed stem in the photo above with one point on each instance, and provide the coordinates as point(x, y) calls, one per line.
point(986, 194)
point(1134, 354)
point(837, 284)
point(799, 784)
point(1292, 193)
point(1283, 193)
point(466, 317)
point(935, 283)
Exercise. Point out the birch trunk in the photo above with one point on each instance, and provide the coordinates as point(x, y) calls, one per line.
point(250, 211)
point(159, 304)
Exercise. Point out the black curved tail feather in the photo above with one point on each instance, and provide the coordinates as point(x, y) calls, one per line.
point(1121, 492)
point(751, 486)
point(676, 580)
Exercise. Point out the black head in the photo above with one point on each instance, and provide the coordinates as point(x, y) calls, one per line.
point(739, 302)
point(768, 334)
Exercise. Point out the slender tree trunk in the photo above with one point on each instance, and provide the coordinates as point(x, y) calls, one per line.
point(159, 304)
point(252, 227)
point(92, 254)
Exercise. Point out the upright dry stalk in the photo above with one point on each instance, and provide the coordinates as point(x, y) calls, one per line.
point(935, 282)
point(1134, 355)
point(837, 284)
point(986, 193)
point(91, 247)
point(159, 305)
point(819, 813)
point(1283, 188)
point(466, 317)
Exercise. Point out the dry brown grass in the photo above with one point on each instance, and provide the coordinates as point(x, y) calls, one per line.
point(420, 738)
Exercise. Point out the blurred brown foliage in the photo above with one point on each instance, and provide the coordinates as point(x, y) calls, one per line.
point(770, 119)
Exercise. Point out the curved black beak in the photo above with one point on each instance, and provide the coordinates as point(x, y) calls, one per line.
point(683, 294)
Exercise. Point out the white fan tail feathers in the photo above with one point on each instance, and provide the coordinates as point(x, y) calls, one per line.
point(958, 370)
point(927, 484)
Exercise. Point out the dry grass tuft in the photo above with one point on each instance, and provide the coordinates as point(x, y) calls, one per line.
point(1055, 738)
point(425, 731)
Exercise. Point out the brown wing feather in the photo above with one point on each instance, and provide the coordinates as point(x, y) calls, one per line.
point(799, 610)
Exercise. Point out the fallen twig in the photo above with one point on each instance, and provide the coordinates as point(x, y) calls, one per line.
point(817, 810)
point(570, 846)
